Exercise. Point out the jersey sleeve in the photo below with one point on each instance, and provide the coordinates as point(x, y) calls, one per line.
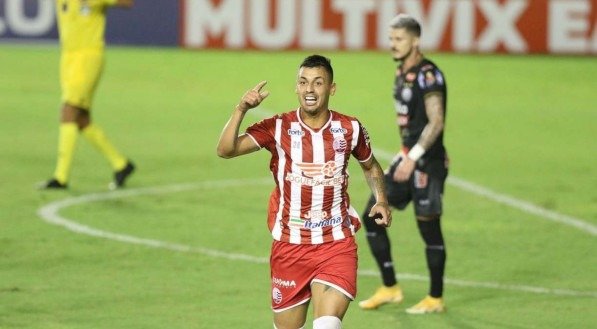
point(262, 133)
point(431, 79)
point(362, 150)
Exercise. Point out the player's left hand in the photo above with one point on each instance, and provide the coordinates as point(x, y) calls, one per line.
point(381, 213)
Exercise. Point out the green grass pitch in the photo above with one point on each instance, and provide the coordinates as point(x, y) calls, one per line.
point(186, 244)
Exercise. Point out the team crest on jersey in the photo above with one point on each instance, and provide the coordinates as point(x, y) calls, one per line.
point(411, 76)
point(339, 144)
point(327, 169)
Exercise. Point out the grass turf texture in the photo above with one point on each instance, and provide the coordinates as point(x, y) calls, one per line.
point(519, 125)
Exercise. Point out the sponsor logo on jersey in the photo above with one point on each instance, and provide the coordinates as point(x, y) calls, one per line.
point(296, 132)
point(328, 169)
point(315, 214)
point(400, 108)
point(313, 224)
point(336, 130)
point(276, 295)
point(283, 283)
point(339, 144)
point(407, 94)
point(308, 181)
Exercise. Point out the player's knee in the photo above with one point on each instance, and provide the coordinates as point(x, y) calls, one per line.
point(277, 327)
point(327, 322)
point(431, 232)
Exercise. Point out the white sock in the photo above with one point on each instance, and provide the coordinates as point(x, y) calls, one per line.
point(327, 322)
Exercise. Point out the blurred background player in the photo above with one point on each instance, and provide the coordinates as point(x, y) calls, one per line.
point(81, 25)
point(314, 253)
point(419, 171)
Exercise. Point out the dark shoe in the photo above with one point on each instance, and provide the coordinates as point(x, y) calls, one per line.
point(121, 175)
point(52, 184)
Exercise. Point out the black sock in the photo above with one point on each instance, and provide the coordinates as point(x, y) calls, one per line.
point(379, 243)
point(435, 253)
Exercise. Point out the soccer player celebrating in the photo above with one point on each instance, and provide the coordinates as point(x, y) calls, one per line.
point(313, 254)
point(81, 25)
point(418, 173)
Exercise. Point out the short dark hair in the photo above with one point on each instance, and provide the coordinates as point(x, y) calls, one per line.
point(404, 21)
point(319, 61)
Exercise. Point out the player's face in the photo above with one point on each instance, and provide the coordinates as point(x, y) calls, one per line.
point(402, 43)
point(314, 87)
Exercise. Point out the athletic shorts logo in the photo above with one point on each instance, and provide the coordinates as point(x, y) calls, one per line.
point(339, 145)
point(421, 179)
point(276, 295)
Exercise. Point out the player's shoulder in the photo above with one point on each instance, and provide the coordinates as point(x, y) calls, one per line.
point(428, 66)
point(338, 116)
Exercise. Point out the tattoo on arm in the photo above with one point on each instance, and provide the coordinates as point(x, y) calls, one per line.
point(376, 182)
point(434, 108)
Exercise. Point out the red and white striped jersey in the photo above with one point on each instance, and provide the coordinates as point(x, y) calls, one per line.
point(310, 203)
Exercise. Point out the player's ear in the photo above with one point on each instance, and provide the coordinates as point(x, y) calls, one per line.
point(416, 42)
point(333, 89)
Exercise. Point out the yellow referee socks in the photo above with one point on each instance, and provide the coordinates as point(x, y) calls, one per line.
point(95, 135)
point(67, 140)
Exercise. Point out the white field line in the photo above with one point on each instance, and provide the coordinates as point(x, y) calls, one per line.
point(50, 214)
point(479, 190)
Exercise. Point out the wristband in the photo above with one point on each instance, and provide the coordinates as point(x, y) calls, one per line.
point(416, 152)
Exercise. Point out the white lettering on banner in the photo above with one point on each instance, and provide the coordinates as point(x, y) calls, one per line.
point(569, 26)
point(20, 24)
point(312, 34)
point(502, 26)
point(226, 19)
point(471, 25)
point(282, 34)
point(434, 24)
point(355, 27)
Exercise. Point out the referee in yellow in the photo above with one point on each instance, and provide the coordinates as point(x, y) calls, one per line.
point(81, 25)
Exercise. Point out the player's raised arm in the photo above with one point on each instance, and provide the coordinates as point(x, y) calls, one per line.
point(231, 144)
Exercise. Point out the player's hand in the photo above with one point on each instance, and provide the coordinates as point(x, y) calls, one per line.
point(253, 97)
point(381, 213)
point(404, 170)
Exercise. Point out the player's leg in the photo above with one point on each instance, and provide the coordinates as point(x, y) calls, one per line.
point(335, 283)
point(329, 306)
point(430, 187)
point(93, 66)
point(293, 318)
point(291, 273)
point(379, 242)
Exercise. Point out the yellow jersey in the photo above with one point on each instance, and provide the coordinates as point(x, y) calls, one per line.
point(82, 23)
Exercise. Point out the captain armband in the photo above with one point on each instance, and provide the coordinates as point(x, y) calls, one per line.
point(416, 152)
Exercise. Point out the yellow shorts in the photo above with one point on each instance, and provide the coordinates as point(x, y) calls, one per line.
point(80, 72)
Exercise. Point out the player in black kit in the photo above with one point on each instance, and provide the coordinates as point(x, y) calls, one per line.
point(419, 171)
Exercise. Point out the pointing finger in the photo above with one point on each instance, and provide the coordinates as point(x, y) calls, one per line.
point(260, 85)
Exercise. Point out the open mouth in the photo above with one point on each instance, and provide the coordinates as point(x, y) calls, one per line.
point(310, 100)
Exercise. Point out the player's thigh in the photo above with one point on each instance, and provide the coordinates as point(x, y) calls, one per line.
point(328, 300)
point(80, 73)
point(292, 318)
point(428, 193)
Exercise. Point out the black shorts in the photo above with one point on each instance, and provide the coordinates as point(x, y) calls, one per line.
point(425, 187)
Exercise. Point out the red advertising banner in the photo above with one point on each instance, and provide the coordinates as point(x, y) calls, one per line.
point(475, 26)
